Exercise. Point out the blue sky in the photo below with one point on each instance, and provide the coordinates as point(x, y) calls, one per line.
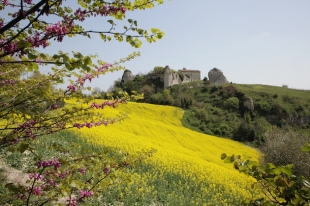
point(252, 42)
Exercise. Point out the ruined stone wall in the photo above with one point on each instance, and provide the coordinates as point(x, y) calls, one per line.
point(168, 77)
point(193, 74)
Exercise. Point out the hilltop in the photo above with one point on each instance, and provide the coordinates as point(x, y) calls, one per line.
point(225, 110)
point(237, 111)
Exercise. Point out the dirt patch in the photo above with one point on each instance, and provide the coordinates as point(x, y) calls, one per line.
point(12, 175)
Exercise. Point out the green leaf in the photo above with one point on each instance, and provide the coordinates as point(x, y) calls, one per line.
point(103, 37)
point(228, 160)
point(88, 61)
point(306, 148)
point(69, 66)
point(223, 156)
point(35, 66)
point(23, 44)
point(277, 171)
point(32, 56)
point(287, 170)
point(270, 166)
point(269, 171)
point(111, 22)
point(43, 56)
point(77, 55)
point(153, 30)
point(242, 168)
point(159, 36)
point(73, 184)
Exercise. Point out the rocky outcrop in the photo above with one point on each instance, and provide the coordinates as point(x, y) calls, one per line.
point(216, 76)
point(127, 75)
point(297, 119)
point(248, 103)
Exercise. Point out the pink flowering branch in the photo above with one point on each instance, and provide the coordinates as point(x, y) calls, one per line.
point(20, 17)
point(33, 189)
point(37, 61)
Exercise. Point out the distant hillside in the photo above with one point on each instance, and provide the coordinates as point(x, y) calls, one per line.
point(223, 110)
point(240, 112)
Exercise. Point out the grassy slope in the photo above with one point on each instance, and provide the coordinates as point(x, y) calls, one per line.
point(248, 88)
point(186, 168)
point(290, 99)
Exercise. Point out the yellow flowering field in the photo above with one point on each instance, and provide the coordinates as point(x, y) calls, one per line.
point(185, 170)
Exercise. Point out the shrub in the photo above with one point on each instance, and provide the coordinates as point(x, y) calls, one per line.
point(232, 103)
point(229, 91)
point(284, 147)
point(285, 86)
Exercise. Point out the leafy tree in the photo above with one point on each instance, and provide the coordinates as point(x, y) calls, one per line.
point(157, 70)
point(283, 147)
point(139, 82)
point(148, 91)
point(27, 27)
point(278, 183)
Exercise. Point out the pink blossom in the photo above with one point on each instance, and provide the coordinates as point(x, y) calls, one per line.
point(38, 60)
point(78, 125)
point(104, 67)
point(36, 190)
point(106, 170)
point(96, 105)
point(5, 2)
point(88, 124)
point(85, 193)
point(82, 170)
point(72, 88)
point(37, 41)
point(57, 30)
point(71, 202)
point(9, 47)
point(48, 163)
point(35, 176)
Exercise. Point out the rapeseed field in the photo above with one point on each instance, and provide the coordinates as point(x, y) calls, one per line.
point(185, 170)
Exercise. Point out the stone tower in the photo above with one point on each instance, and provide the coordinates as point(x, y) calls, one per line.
point(127, 75)
point(167, 77)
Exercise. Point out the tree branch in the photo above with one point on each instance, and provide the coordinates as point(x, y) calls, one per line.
point(21, 16)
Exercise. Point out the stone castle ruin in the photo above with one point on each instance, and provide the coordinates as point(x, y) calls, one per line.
point(171, 78)
point(168, 77)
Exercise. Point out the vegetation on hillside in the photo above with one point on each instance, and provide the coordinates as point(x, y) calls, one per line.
point(219, 110)
point(279, 184)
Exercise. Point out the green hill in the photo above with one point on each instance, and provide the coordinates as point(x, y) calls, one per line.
point(220, 110)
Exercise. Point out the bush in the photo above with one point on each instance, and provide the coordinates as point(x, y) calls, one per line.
point(232, 104)
point(284, 147)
